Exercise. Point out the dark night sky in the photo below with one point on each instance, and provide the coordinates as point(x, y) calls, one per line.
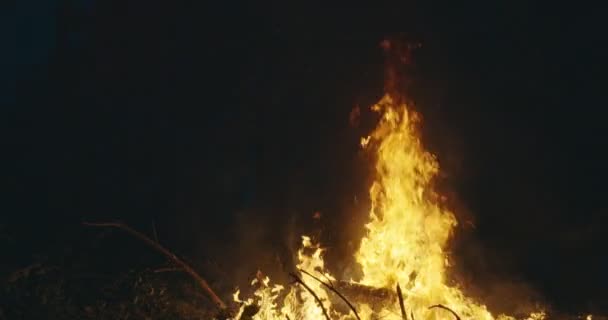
point(204, 118)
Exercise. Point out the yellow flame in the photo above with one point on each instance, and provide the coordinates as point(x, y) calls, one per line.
point(405, 242)
point(409, 230)
point(296, 304)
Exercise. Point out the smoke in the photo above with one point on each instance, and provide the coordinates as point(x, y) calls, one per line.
point(490, 277)
point(486, 274)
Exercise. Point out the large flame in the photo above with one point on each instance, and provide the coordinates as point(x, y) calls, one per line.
point(405, 243)
point(409, 230)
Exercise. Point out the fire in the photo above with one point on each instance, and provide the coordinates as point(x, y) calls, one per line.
point(296, 304)
point(409, 230)
point(405, 244)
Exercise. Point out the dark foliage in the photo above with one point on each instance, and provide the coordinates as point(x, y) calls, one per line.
point(47, 292)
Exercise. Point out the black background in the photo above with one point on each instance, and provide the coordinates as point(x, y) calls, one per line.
point(220, 123)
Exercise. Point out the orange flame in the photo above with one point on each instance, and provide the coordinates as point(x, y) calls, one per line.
point(406, 238)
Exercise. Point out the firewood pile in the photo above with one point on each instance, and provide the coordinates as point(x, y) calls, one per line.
point(147, 295)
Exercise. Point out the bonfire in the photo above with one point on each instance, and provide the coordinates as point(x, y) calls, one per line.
point(403, 255)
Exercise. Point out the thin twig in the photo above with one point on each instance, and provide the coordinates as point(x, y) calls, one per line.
point(298, 280)
point(401, 305)
point(171, 269)
point(201, 282)
point(331, 287)
point(154, 231)
point(412, 315)
point(327, 278)
point(446, 308)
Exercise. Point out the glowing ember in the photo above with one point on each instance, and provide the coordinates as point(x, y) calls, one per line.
point(405, 243)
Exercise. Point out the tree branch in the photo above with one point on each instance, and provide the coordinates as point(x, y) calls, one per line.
point(168, 269)
point(440, 306)
point(331, 287)
point(401, 305)
point(298, 280)
point(179, 262)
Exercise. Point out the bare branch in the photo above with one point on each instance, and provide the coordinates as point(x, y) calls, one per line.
point(327, 278)
point(401, 305)
point(440, 306)
point(168, 269)
point(154, 231)
point(201, 282)
point(331, 287)
point(298, 280)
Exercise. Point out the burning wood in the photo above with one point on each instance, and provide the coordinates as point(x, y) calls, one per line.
point(401, 305)
point(365, 294)
point(440, 306)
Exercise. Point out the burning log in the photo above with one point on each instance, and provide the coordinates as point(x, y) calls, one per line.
point(367, 294)
point(171, 256)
